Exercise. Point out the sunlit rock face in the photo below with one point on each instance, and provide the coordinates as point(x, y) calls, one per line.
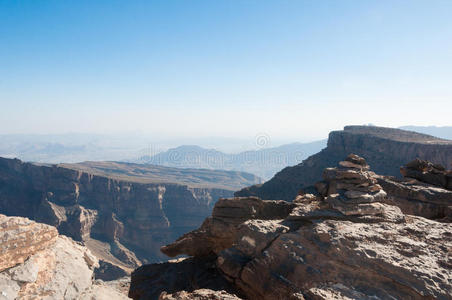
point(37, 263)
point(347, 240)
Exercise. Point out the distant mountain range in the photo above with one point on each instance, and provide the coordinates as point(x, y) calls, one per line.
point(263, 162)
point(71, 147)
point(138, 148)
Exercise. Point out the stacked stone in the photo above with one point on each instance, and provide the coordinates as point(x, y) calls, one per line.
point(351, 184)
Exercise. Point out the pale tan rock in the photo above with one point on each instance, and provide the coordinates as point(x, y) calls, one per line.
point(20, 238)
point(253, 235)
point(9, 288)
point(337, 291)
point(46, 265)
point(101, 290)
point(385, 260)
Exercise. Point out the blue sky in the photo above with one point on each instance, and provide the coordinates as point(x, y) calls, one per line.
point(289, 69)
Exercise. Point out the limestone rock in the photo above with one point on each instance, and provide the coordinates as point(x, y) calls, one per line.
point(37, 263)
point(219, 231)
point(423, 192)
point(384, 260)
point(353, 190)
point(20, 238)
point(347, 243)
point(110, 290)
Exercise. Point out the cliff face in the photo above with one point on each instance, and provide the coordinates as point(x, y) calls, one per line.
point(347, 242)
point(385, 149)
point(37, 263)
point(122, 222)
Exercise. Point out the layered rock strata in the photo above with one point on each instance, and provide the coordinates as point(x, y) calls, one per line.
point(37, 263)
point(124, 223)
point(345, 243)
point(424, 191)
point(428, 172)
point(385, 149)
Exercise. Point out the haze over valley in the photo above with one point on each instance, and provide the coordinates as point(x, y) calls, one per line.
point(226, 150)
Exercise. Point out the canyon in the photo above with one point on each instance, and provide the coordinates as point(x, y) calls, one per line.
point(118, 211)
point(361, 235)
point(370, 225)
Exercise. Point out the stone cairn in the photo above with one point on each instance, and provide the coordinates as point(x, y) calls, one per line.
point(351, 184)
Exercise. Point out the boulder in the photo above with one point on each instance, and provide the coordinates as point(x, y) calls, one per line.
point(21, 238)
point(37, 263)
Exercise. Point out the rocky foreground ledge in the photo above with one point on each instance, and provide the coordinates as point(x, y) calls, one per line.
point(351, 241)
point(37, 263)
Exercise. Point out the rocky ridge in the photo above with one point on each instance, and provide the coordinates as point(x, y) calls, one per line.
point(385, 149)
point(37, 263)
point(344, 242)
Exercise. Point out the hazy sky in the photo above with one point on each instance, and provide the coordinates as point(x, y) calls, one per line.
point(291, 69)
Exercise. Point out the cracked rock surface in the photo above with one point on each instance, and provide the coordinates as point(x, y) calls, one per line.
point(37, 263)
point(347, 242)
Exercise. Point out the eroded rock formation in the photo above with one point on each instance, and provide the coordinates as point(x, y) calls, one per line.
point(424, 191)
point(122, 222)
point(385, 149)
point(37, 263)
point(346, 242)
